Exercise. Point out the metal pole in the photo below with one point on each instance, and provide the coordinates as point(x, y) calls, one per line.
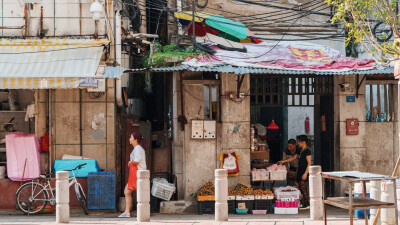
point(50, 133)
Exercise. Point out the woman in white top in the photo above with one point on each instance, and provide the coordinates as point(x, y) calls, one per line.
point(137, 162)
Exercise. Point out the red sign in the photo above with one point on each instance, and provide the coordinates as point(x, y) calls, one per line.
point(352, 126)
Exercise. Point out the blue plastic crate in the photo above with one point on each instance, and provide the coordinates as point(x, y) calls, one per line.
point(101, 190)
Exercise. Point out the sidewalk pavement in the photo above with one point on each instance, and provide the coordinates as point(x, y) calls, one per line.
point(335, 217)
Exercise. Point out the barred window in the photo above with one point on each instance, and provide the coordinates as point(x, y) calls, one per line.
point(379, 102)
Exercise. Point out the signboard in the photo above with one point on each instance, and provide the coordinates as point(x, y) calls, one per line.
point(351, 126)
point(350, 98)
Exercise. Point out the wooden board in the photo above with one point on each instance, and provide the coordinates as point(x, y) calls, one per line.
point(259, 155)
point(358, 203)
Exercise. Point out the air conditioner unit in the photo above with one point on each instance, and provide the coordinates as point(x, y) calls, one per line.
point(101, 86)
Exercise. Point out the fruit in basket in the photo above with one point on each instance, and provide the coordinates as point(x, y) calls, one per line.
point(242, 190)
point(207, 189)
point(231, 191)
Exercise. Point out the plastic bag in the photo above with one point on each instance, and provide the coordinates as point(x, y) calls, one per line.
point(230, 162)
point(44, 142)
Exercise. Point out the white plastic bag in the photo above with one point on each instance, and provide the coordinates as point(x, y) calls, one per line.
point(230, 162)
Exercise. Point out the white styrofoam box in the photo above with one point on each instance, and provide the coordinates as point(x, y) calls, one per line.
point(264, 197)
point(101, 86)
point(231, 197)
point(245, 197)
point(197, 129)
point(210, 127)
point(286, 210)
point(278, 175)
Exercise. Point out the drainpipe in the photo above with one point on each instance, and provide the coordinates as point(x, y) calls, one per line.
point(118, 57)
point(179, 8)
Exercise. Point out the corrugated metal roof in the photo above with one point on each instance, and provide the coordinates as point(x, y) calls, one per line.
point(49, 58)
point(250, 70)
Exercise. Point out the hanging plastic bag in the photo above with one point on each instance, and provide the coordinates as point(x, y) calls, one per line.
point(230, 162)
point(44, 142)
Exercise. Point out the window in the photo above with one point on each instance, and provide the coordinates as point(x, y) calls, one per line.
point(211, 103)
point(379, 102)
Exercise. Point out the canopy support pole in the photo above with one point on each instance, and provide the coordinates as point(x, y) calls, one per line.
point(358, 84)
point(239, 80)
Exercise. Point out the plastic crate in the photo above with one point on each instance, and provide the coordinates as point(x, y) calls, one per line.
point(249, 204)
point(287, 204)
point(231, 206)
point(164, 175)
point(101, 190)
point(263, 205)
point(154, 204)
point(163, 190)
point(205, 207)
point(278, 175)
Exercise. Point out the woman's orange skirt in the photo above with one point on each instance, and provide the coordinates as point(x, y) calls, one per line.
point(132, 180)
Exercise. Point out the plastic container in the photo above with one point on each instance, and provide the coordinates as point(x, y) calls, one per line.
point(259, 212)
point(278, 175)
point(205, 207)
point(286, 211)
point(249, 204)
point(263, 205)
point(231, 206)
point(162, 189)
point(287, 204)
point(281, 193)
point(241, 211)
point(101, 190)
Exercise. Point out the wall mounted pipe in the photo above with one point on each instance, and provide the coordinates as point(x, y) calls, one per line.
point(118, 56)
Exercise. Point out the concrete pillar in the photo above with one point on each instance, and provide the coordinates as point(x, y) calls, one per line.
point(375, 193)
point(387, 215)
point(62, 197)
point(316, 202)
point(221, 195)
point(143, 196)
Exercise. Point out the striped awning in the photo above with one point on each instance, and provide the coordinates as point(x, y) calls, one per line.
point(39, 83)
point(49, 63)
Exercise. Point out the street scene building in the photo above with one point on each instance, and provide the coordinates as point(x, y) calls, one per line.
point(262, 89)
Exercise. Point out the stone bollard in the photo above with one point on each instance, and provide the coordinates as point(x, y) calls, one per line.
point(375, 193)
point(316, 202)
point(221, 195)
point(143, 196)
point(387, 215)
point(62, 197)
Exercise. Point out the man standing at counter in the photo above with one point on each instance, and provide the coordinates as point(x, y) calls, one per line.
point(304, 160)
point(289, 152)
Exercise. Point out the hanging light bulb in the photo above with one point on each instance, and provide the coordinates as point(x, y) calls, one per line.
point(273, 126)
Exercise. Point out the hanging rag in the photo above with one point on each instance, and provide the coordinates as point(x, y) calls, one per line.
point(30, 112)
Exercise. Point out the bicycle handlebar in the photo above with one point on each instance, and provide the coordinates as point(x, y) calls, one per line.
point(79, 167)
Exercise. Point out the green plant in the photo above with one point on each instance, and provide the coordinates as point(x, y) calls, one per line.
point(163, 55)
point(360, 17)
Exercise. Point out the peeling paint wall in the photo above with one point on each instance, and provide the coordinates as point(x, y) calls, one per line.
point(98, 125)
point(194, 161)
point(60, 17)
point(375, 149)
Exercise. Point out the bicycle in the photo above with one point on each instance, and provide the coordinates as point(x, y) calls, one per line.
point(33, 197)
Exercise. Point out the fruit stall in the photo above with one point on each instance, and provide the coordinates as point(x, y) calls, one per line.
point(246, 199)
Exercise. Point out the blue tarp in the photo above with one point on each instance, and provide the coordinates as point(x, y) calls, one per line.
point(67, 164)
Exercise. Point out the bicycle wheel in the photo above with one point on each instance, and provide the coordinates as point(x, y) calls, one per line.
point(31, 198)
point(382, 32)
point(81, 198)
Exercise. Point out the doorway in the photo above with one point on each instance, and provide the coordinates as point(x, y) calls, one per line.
point(298, 104)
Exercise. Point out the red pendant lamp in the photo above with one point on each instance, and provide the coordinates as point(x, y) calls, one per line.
point(273, 126)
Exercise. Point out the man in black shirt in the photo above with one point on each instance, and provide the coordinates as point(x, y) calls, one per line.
point(304, 159)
